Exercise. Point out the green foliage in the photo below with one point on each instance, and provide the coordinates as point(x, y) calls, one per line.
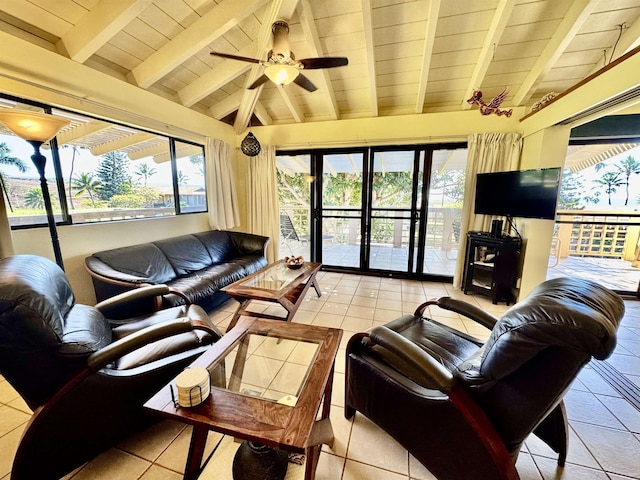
point(293, 189)
point(145, 172)
point(626, 168)
point(143, 197)
point(571, 195)
point(34, 198)
point(610, 181)
point(85, 183)
point(113, 172)
point(7, 159)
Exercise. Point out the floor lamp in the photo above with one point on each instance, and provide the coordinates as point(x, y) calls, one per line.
point(37, 128)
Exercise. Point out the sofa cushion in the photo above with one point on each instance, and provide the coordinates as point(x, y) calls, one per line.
point(218, 244)
point(186, 253)
point(208, 281)
point(145, 261)
point(251, 263)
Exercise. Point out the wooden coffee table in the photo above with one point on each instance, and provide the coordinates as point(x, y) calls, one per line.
point(268, 382)
point(274, 283)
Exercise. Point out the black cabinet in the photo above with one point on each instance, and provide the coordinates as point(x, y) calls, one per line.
point(490, 266)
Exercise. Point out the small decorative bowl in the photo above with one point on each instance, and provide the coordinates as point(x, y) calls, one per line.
point(294, 263)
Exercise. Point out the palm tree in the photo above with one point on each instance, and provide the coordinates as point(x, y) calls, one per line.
point(611, 181)
point(86, 183)
point(7, 159)
point(145, 171)
point(627, 167)
point(34, 198)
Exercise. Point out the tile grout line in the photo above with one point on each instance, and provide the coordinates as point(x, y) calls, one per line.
point(618, 381)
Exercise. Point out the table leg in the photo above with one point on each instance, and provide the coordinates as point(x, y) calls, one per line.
point(241, 309)
point(196, 452)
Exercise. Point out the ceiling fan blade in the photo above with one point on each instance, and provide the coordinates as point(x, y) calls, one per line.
point(305, 83)
point(235, 57)
point(324, 62)
point(258, 82)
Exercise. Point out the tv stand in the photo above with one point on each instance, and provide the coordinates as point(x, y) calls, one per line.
point(490, 266)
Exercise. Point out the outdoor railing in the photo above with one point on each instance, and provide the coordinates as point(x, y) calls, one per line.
point(597, 234)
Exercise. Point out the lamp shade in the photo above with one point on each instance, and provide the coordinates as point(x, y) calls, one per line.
point(32, 126)
point(281, 74)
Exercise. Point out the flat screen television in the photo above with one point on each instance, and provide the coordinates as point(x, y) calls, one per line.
point(522, 193)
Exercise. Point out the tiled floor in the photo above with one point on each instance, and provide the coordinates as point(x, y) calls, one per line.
point(605, 429)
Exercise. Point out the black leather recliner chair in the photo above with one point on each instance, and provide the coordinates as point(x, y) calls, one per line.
point(86, 376)
point(464, 408)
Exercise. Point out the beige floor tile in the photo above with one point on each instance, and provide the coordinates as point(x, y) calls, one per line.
point(341, 432)
point(390, 293)
point(337, 396)
point(10, 419)
point(381, 315)
point(338, 297)
point(527, 468)
point(364, 301)
point(359, 311)
point(328, 320)
point(550, 471)
point(7, 392)
point(367, 292)
point(417, 471)
point(8, 446)
point(113, 464)
point(175, 457)
point(361, 471)
point(371, 445)
point(355, 324)
point(150, 443)
point(330, 467)
point(158, 473)
point(334, 308)
point(615, 450)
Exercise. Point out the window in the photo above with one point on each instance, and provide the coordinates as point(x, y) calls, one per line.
point(100, 171)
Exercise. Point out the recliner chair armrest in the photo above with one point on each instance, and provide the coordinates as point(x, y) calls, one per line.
point(430, 370)
point(128, 344)
point(463, 308)
point(115, 303)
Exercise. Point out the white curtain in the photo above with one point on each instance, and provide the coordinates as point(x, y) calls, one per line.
point(221, 189)
point(6, 240)
point(487, 152)
point(263, 207)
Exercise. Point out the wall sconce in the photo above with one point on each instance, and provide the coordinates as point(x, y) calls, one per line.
point(37, 128)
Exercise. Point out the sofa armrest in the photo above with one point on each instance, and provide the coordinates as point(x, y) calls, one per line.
point(132, 342)
point(99, 269)
point(123, 303)
point(466, 309)
point(249, 244)
point(431, 372)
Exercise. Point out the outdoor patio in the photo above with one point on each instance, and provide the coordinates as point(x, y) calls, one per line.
point(613, 273)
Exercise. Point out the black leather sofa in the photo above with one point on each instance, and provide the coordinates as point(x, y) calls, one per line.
point(198, 265)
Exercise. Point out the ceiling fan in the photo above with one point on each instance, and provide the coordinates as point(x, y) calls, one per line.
point(281, 67)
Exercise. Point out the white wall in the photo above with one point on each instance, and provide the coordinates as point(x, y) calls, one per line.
point(80, 241)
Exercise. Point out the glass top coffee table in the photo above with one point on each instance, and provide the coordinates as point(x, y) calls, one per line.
point(274, 283)
point(268, 380)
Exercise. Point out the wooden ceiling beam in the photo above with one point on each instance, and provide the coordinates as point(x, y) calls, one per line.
point(629, 40)
point(98, 26)
point(432, 22)
point(223, 73)
point(370, 55)
point(215, 23)
point(224, 107)
point(313, 40)
point(279, 10)
point(571, 23)
point(491, 39)
point(292, 103)
point(261, 114)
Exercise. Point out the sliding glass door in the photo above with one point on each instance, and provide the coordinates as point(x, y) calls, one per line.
point(381, 210)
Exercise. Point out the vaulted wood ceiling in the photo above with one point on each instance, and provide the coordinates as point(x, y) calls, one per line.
point(405, 57)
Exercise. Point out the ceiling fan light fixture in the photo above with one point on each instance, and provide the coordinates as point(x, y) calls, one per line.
point(281, 74)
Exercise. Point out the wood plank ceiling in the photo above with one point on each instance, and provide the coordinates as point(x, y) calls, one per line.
point(405, 57)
